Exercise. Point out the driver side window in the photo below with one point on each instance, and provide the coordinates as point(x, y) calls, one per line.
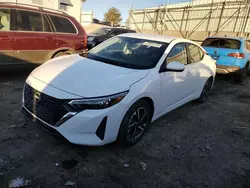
point(178, 54)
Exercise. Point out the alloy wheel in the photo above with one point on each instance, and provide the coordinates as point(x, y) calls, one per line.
point(137, 124)
point(206, 90)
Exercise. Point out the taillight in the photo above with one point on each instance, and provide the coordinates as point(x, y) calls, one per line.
point(237, 55)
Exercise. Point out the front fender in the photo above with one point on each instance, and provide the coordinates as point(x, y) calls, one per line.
point(148, 87)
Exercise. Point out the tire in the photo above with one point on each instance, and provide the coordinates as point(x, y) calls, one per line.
point(248, 69)
point(204, 94)
point(240, 76)
point(59, 54)
point(131, 129)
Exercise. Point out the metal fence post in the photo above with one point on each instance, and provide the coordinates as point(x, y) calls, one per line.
point(143, 21)
point(221, 14)
point(209, 18)
point(182, 19)
point(245, 20)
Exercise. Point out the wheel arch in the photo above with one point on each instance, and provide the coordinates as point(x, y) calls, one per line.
point(149, 100)
point(66, 49)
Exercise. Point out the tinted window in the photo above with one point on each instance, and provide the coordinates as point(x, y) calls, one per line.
point(178, 54)
point(131, 31)
point(63, 25)
point(129, 52)
point(210, 42)
point(46, 26)
point(221, 43)
point(229, 43)
point(118, 32)
point(28, 21)
point(102, 31)
point(4, 19)
point(194, 52)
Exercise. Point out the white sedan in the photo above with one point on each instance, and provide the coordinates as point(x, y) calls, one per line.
point(122, 86)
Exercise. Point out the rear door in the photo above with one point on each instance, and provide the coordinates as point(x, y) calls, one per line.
point(221, 50)
point(34, 38)
point(196, 67)
point(66, 34)
point(176, 86)
point(6, 36)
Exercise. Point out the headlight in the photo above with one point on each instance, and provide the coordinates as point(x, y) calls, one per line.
point(90, 39)
point(95, 103)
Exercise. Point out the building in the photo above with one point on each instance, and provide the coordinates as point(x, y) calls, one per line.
point(196, 19)
point(72, 7)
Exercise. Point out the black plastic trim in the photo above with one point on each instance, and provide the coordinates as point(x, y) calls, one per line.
point(100, 132)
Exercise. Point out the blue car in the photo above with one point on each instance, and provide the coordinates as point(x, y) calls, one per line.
point(232, 55)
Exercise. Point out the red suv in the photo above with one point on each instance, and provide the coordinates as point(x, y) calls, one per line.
point(34, 35)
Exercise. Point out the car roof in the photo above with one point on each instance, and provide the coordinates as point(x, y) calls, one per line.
point(234, 38)
point(37, 9)
point(159, 38)
point(116, 28)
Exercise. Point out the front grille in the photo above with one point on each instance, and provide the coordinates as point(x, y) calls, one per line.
point(45, 107)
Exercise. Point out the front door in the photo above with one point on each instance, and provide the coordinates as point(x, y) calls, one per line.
point(34, 39)
point(6, 37)
point(176, 85)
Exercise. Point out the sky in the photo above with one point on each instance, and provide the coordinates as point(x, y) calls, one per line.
point(99, 7)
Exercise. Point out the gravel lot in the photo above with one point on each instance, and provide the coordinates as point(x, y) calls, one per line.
point(195, 146)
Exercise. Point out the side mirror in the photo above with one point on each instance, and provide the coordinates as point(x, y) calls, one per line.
point(175, 67)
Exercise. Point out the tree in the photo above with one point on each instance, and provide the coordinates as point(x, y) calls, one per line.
point(113, 15)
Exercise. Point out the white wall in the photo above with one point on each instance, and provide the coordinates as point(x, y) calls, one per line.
point(74, 11)
point(87, 18)
point(53, 4)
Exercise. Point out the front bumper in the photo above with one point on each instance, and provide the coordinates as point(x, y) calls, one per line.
point(89, 127)
point(221, 69)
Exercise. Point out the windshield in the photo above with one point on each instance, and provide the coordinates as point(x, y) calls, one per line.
point(129, 52)
point(221, 43)
point(102, 31)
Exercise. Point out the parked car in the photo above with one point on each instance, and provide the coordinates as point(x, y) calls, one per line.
point(34, 35)
point(102, 34)
point(231, 53)
point(124, 84)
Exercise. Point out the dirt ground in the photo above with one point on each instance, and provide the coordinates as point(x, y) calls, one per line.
point(195, 146)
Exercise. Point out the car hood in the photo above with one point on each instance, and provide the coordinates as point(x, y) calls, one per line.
point(85, 77)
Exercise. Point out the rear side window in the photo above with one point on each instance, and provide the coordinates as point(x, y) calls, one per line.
point(221, 43)
point(4, 20)
point(63, 25)
point(229, 43)
point(195, 54)
point(210, 42)
point(31, 21)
